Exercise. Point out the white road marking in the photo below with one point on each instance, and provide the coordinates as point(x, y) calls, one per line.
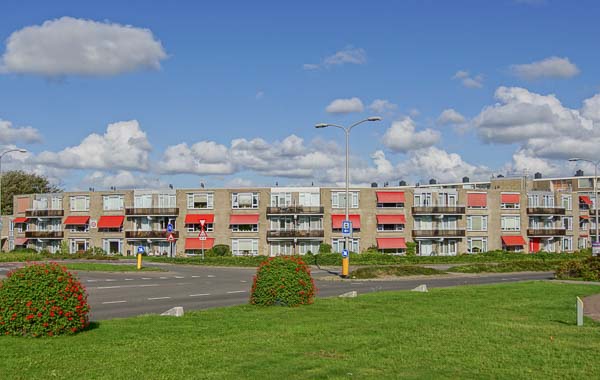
point(113, 302)
point(143, 286)
point(163, 278)
point(199, 295)
point(109, 287)
point(357, 283)
point(210, 275)
point(243, 281)
point(129, 279)
point(92, 280)
point(110, 279)
point(195, 276)
point(237, 291)
point(146, 278)
point(158, 298)
point(179, 277)
point(123, 286)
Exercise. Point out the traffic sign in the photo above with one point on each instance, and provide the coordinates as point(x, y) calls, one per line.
point(202, 235)
point(202, 223)
point(169, 227)
point(170, 238)
point(346, 228)
point(140, 249)
point(344, 253)
point(595, 248)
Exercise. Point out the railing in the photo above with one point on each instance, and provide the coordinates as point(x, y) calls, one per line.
point(438, 233)
point(44, 234)
point(438, 209)
point(149, 234)
point(546, 210)
point(295, 234)
point(46, 213)
point(546, 231)
point(296, 210)
point(170, 211)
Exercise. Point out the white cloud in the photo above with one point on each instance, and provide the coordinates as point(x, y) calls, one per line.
point(552, 67)
point(383, 106)
point(70, 46)
point(468, 80)
point(348, 55)
point(403, 137)
point(123, 179)
point(436, 163)
point(123, 146)
point(345, 106)
point(204, 157)
point(10, 134)
point(450, 116)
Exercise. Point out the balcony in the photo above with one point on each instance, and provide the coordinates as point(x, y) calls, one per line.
point(546, 210)
point(44, 234)
point(154, 211)
point(149, 234)
point(295, 234)
point(438, 233)
point(296, 210)
point(546, 231)
point(424, 210)
point(44, 213)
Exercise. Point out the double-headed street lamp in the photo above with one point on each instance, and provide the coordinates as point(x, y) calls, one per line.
point(595, 163)
point(346, 260)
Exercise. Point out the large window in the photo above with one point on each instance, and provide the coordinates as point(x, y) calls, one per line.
point(80, 203)
point(511, 223)
point(48, 224)
point(208, 227)
point(423, 199)
point(47, 202)
point(200, 201)
point(113, 246)
point(390, 227)
point(310, 223)
point(337, 245)
point(567, 243)
point(281, 248)
point(244, 227)
point(282, 223)
point(167, 200)
point(112, 202)
point(567, 223)
point(567, 202)
point(476, 244)
point(281, 199)
point(309, 199)
point(338, 199)
point(309, 246)
point(78, 245)
point(244, 247)
point(143, 201)
point(244, 200)
point(477, 223)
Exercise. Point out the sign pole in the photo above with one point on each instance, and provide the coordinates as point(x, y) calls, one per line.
point(202, 222)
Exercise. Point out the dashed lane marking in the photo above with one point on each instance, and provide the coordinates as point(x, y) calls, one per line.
point(211, 276)
point(243, 281)
point(109, 287)
point(195, 276)
point(146, 278)
point(92, 280)
point(163, 278)
point(129, 279)
point(107, 302)
point(123, 286)
point(179, 277)
point(236, 291)
point(199, 295)
point(110, 279)
point(158, 298)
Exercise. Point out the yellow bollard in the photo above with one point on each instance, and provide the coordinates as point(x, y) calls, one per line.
point(345, 266)
point(139, 261)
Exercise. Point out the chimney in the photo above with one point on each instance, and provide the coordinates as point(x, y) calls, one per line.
point(537, 175)
point(402, 183)
point(432, 181)
point(373, 184)
point(579, 173)
point(465, 179)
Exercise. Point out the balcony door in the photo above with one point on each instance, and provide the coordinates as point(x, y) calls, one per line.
point(425, 247)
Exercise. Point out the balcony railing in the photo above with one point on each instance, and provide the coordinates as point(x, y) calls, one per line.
point(44, 234)
point(438, 209)
point(546, 231)
point(296, 210)
point(149, 234)
point(141, 211)
point(546, 210)
point(46, 213)
point(295, 234)
point(438, 233)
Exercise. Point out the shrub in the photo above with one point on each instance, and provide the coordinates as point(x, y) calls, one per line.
point(411, 248)
point(587, 270)
point(42, 300)
point(283, 280)
point(324, 248)
point(94, 251)
point(221, 250)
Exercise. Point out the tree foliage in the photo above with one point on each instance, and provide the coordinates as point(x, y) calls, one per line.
point(16, 182)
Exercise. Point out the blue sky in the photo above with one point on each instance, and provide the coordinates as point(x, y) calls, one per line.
point(222, 71)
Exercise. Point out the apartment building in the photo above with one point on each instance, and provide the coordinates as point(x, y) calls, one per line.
point(516, 214)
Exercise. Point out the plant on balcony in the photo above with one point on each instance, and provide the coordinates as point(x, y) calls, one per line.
point(42, 300)
point(284, 281)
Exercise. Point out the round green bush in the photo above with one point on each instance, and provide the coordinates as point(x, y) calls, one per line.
point(42, 300)
point(283, 280)
point(587, 270)
point(221, 250)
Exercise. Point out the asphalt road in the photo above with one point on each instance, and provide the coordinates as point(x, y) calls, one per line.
point(114, 295)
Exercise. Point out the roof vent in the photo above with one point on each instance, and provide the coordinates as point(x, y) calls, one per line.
point(402, 183)
point(373, 184)
point(579, 173)
point(537, 175)
point(432, 181)
point(465, 179)
point(499, 176)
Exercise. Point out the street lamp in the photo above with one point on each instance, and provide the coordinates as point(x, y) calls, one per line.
point(2, 155)
point(346, 260)
point(595, 163)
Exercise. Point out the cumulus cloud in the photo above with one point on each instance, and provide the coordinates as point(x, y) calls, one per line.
point(552, 67)
point(450, 116)
point(436, 163)
point(123, 179)
point(345, 106)
point(383, 106)
point(71, 46)
point(402, 136)
point(468, 80)
point(348, 55)
point(123, 146)
point(10, 134)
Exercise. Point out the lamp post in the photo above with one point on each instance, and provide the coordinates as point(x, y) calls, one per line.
point(346, 260)
point(2, 155)
point(595, 163)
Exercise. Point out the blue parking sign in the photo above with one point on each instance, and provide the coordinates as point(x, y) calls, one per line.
point(141, 249)
point(169, 227)
point(346, 228)
point(344, 253)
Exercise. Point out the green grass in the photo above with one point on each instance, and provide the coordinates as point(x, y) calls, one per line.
point(516, 331)
point(392, 270)
point(101, 267)
point(514, 266)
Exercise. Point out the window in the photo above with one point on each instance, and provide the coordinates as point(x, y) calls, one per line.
point(208, 227)
point(476, 244)
point(567, 243)
point(538, 222)
point(47, 202)
point(244, 247)
point(80, 203)
point(337, 245)
point(281, 199)
point(585, 183)
point(447, 199)
point(282, 223)
point(310, 223)
point(167, 200)
point(309, 199)
point(309, 246)
point(338, 199)
point(533, 200)
point(244, 200)
point(511, 223)
point(423, 199)
point(567, 222)
point(80, 228)
point(448, 223)
point(78, 245)
point(113, 246)
point(143, 201)
point(582, 243)
point(477, 223)
point(142, 224)
point(390, 227)
point(48, 225)
point(390, 205)
point(424, 223)
point(244, 227)
point(200, 201)
point(282, 248)
point(567, 202)
point(112, 202)
point(448, 248)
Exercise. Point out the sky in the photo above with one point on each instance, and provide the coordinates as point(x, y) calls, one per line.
point(144, 94)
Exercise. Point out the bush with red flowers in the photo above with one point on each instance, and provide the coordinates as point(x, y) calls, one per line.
point(283, 280)
point(42, 300)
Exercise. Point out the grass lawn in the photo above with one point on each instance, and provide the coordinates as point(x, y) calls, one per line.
point(511, 331)
point(102, 267)
point(393, 270)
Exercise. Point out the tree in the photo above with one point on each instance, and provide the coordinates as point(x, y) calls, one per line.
point(15, 182)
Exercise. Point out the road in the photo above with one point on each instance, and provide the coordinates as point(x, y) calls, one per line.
point(125, 294)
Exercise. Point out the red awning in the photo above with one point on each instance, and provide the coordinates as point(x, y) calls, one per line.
point(77, 220)
point(336, 220)
point(585, 199)
point(243, 219)
point(510, 198)
point(390, 196)
point(21, 241)
point(196, 244)
point(385, 243)
point(196, 218)
point(584, 217)
point(20, 220)
point(115, 221)
point(391, 219)
point(511, 241)
point(477, 200)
